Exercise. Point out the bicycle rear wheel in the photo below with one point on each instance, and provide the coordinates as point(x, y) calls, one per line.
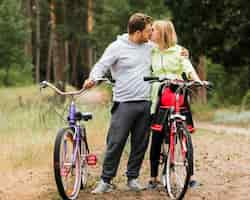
point(67, 172)
point(177, 165)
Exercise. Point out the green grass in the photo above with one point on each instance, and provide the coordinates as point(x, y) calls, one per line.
point(203, 112)
point(233, 115)
point(29, 123)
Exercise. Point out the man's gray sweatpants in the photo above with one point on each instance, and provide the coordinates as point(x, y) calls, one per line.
point(127, 117)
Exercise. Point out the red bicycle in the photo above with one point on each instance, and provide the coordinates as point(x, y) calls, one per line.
point(177, 150)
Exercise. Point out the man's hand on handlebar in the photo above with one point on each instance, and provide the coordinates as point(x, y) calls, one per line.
point(88, 83)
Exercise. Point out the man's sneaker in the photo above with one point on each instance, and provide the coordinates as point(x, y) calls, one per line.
point(102, 187)
point(134, 185)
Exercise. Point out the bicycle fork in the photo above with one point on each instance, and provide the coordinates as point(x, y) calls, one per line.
point(173, 140)
point(68, 165)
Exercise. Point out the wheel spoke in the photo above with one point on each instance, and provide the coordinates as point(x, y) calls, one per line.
point(177, 167)
point(179, 164)
point(68, 173)
point(179, 180)
point(84, 165)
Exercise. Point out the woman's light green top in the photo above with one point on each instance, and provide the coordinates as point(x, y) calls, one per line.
point(170, 63)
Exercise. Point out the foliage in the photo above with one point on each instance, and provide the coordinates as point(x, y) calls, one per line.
point(12, 36)
point(245, 104)
point(219, 30)
point(111, 18)
point(198, 22)
point(29, 123)
point(17, 75)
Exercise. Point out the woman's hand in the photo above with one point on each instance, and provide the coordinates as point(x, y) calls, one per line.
point(184, 52)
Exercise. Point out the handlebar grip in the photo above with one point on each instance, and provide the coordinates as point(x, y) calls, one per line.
point(209, 85)
point(151, 78)
point(43, 84)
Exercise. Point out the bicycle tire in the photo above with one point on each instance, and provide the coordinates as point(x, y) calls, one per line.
point(63, 167)
point(84, 165)
point(190, 152)
point(170, 167)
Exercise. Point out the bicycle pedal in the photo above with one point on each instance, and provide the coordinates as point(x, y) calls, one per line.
point(91, 159)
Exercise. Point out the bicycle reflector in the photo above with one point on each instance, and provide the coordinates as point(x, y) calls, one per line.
point(157, 127)
point(91, 159)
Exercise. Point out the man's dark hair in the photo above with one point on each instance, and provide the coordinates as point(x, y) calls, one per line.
point(138, 22)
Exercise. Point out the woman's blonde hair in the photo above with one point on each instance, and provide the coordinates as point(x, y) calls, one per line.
point(167, 32)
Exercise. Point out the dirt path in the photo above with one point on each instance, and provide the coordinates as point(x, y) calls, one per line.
point(222, 167)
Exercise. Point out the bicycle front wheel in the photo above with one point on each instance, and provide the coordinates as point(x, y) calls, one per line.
point(178, 164)
point(84, 164)
point(67, 166)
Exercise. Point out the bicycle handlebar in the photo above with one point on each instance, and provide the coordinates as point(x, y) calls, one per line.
point(106, 80)
point(177, 81)
point(151, 78)
point(45, 84)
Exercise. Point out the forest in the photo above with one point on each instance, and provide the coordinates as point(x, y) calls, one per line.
point(60, 40)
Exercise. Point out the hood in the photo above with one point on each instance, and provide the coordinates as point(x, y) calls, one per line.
point(124, 39)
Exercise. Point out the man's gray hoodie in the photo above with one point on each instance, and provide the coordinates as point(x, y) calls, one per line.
point(129, 63)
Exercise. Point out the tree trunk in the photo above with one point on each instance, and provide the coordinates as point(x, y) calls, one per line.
point(57, 20)
point(49, 61)
point(27, 7)
point(53, 29)
point(75, 47)
point(87, 62)
point(38, 40)
point(202, 92)
point(90, 23)
point(6, 76)
point(66, 53)
point(58, 44)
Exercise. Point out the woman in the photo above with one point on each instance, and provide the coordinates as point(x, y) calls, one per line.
point(166, 61)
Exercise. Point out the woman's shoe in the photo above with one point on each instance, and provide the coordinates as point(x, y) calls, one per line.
point(193, 184)
point(152, 185)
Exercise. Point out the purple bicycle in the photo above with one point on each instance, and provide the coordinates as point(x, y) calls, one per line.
point(71, 152)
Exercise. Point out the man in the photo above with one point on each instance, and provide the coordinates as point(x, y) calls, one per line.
point(129, 60)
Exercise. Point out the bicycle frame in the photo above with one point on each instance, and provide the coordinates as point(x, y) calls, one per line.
point(176, 117)
point(77, 135)
point(79, 132)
